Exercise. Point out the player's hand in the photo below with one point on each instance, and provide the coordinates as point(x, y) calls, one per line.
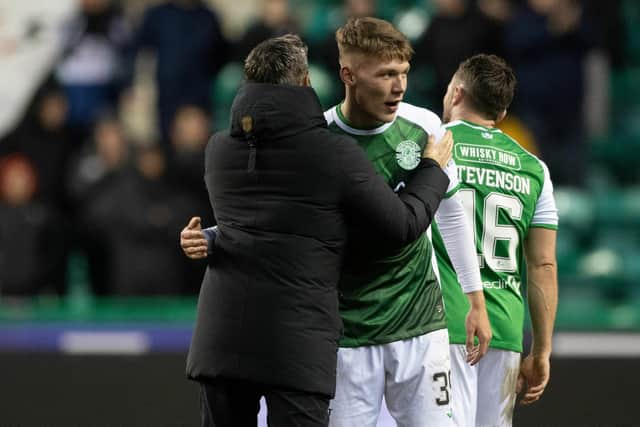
point(477, 325)
point(441, 151)
point(192, 240)
point(533, 378)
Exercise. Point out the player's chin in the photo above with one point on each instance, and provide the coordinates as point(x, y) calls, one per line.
point(386, 116)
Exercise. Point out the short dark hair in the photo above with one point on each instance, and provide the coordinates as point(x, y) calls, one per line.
point(279, 60)
point(489, 83)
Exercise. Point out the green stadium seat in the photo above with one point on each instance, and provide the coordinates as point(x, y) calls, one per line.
point(631, 16)
point(582, 309)
point(324, 84)
point(619, 209)
point(575, 208)
point(226, 85)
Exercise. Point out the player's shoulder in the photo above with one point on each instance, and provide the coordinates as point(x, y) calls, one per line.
point(529, 159)
point(496, 138)
point(419, 116)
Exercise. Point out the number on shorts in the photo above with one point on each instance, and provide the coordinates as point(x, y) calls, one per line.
point(443, 379)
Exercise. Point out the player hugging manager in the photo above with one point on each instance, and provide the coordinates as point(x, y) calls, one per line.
point(283, 187)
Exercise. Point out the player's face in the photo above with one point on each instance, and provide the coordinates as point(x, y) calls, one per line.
point(379, 87)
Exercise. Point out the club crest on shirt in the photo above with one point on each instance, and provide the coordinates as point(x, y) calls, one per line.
point(408, 154)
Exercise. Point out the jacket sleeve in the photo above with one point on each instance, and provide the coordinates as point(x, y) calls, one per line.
point(398, 218)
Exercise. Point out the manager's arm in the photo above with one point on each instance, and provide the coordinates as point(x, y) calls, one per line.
point(399, 218)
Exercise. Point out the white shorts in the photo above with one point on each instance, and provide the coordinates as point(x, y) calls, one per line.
point(484, 394)
point(413, 375)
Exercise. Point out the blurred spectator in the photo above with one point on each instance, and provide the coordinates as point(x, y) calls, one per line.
point(326, 52)
point(190, 49)
point(95, 168)
point(608, 54)
point(91, 66)
point(31, 235)
point(43, 138)
point(189, 135)
point(458, 30)
point(610, 27)
point(138, 215)
point(275, 20)
point(547, 41)
point(100, 159)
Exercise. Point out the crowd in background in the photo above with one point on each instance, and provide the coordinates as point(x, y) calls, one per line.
point(73, 180)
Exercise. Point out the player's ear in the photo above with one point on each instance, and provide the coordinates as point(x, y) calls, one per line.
point(501, 116)
point(347, 76)
point(458, 95)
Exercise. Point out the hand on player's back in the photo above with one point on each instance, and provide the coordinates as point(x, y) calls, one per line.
point(440, 151)
point(192, 240)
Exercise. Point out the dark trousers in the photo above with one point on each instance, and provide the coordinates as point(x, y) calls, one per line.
point(236, 403)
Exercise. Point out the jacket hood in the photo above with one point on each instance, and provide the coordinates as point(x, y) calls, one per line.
point(271, 111)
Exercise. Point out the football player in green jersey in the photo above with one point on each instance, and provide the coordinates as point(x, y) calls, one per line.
point(395, 342)
point(395, 336)
point(508, 196)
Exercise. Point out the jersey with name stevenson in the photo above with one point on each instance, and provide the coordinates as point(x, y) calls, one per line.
point(505, 191)
point(395, 296)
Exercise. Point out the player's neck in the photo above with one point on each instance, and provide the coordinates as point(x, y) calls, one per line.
point(355, 117)
point(471, 117)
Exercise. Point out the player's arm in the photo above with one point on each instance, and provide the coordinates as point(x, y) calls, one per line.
point(459, 241)
point(542, 284)
point(400, 218)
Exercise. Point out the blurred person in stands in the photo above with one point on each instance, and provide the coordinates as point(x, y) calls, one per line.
point(101, 162)
point(92, 63)
point(190, 132)
point(458, 30)
point(43, 138)
point(285, 190)
point(190, 49)
point(102, 156)
point(138, 214)
point(326, 52)
point(547, 42)
point(275, 20)
point(31, 235)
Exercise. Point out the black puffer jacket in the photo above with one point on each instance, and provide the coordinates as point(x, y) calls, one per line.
point(268, 307)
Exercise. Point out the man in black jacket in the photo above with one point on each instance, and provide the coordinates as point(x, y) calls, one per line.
point(283, 189)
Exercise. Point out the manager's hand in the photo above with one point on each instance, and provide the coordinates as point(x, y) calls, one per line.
point(192, 240)
point(441, 151)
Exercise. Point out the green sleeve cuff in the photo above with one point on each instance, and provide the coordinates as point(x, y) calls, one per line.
point(547, 226)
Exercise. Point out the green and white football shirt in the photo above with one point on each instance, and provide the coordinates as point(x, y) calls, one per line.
point(505, 191)
point(396, 297)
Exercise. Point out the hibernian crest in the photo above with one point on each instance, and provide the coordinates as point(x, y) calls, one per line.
point(408, 154)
